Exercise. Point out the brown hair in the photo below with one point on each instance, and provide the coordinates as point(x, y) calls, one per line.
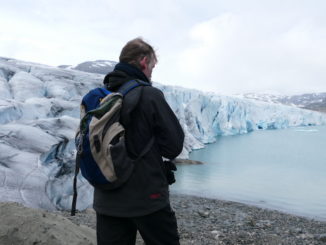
point(135, 50)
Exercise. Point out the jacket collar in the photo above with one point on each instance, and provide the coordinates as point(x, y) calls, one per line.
point(122, 73)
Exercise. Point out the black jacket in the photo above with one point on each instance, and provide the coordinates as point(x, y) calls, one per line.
point(147, 189)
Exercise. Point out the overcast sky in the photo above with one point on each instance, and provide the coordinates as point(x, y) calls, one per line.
point(228, 46)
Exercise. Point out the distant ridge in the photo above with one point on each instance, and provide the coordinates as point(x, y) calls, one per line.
point(97, 66)
point(310, 101)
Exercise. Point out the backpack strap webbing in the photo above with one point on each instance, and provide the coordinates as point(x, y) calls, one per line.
point(74, 197)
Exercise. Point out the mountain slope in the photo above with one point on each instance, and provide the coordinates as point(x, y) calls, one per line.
point(310, 101)
point(97, 66)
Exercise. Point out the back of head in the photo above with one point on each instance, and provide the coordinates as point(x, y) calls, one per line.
point(135, 50)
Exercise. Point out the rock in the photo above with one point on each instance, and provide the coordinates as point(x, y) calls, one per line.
point(264, 224)
point(252, 222)
point(204, 214)
point(217, 234)
point(90, 211)
point(321, 237)
point(180, 161)
point(305, 236)
point(296, 231)
point(26, 226)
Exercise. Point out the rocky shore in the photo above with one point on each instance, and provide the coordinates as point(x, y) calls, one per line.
point(204, 221)
point(201, 221)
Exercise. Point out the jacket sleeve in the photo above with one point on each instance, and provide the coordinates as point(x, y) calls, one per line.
point(167, 130)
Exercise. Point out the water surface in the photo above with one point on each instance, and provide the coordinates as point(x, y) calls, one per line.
point(279, 169)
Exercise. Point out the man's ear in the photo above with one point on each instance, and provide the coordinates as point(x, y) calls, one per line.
point(143, 62)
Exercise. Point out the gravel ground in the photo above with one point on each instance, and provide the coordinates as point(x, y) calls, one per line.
point(209, 221)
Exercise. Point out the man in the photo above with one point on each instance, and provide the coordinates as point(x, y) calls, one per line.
point(142, 203)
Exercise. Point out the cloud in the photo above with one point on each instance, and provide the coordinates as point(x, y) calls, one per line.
point(208, 53)
point(242, 52)
point(223, 46)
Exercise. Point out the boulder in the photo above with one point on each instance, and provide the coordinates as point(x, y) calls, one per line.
point(23, 226)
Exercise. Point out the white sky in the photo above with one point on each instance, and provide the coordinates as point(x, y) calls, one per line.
point(228, 46)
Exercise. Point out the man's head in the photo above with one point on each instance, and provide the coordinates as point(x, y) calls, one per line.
point(140, 54)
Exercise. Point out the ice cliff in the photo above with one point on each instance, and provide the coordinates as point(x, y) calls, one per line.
point(39, 113)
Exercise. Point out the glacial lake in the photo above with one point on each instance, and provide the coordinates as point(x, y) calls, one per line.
point(277, 169)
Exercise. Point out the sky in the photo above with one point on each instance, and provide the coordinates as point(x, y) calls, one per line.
point(227, 47)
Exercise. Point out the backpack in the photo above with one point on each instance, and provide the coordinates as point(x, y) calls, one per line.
point(101, 150)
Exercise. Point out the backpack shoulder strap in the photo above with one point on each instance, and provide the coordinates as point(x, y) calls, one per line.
point(146, 148)
point(124, 89)
point(130, 85)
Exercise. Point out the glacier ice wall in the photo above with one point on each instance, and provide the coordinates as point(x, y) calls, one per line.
point(39, 114)
point(207, 115)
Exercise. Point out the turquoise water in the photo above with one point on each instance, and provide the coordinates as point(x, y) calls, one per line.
point(278, 169)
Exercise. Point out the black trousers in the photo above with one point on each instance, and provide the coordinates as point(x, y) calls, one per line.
point(159, 228)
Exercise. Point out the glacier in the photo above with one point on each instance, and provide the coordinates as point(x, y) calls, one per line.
point(39, 115)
